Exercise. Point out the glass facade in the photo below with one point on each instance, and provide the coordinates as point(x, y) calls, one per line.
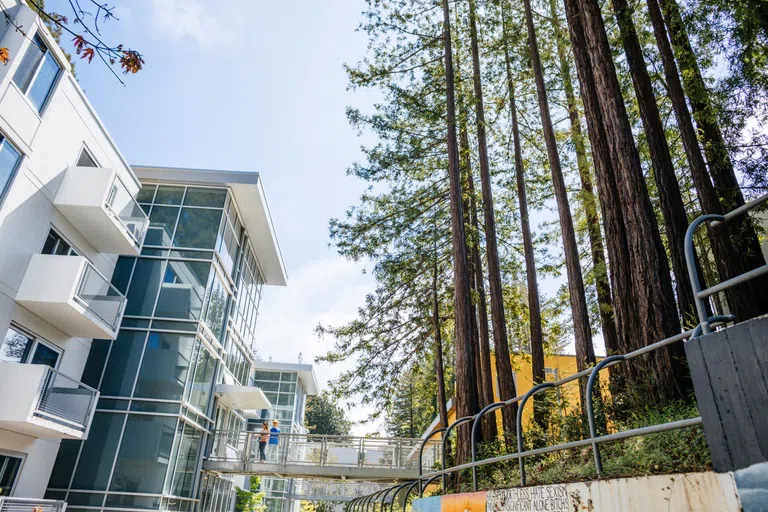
point(193, 296)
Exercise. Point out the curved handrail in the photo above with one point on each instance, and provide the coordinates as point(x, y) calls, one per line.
point(488, 408)
point(426, 484)
point(529, 394)
point(450, 428)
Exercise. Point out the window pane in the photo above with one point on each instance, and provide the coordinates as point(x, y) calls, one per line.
point(122, 275)
point(15, 347)
point(45, 355)
point(64, 465)
point(26, 70)
point(183, 290)
point(123, 363)
point(9, 160)
point(147, 277)
point(217, 307)
point(43, 84)
point(266, 375)
point(144, 453)
point(9, 470)
point(205, 197)
point(169, 195)
point(146, 194)
point(162, 220)
point(98, 452)
point(197, 228)
point(186, 464)
point(165, 366)
point(203, 380)
point(85, 160)
point(94, 366)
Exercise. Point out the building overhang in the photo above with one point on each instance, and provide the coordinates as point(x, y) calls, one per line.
point(247, 188)
point(244, 398)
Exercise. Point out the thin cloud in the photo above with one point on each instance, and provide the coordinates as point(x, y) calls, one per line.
point(196, 21)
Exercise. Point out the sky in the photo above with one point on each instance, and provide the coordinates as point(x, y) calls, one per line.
point(247, 85)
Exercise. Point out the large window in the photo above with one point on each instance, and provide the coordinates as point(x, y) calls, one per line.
point(280, 388)
point(20, 347)
point(55, 244)
point(98, 452)
point(37, 73)
point(165, 367)
point(10, 465)
point(9, 163)
point(145, 453)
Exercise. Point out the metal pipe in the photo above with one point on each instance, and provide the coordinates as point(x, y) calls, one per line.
point(445, 438)
point(421, 451)
point(693, 273)
point(488, 408)
point(408, 492)
point(529, 394)
point(394, 496)
point(591, 410)
point(429, 481)
point(742, 278)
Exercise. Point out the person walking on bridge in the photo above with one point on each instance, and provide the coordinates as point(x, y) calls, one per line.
point(263, 439)
point(274, 440)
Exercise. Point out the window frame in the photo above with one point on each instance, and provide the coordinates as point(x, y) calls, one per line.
point(54, 84)
point(73, 250)
point(15, 455)
point(14, 172)
point(36, 341)
point(84, 149)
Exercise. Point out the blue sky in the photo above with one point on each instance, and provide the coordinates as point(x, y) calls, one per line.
point(252, 86)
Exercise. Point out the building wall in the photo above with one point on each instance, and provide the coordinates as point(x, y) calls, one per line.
point(50, 141)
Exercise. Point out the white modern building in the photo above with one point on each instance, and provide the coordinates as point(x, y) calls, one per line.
point(128, 300)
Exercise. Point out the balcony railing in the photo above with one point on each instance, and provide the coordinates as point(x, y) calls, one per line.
point(66, 401)
point(122, 205)
point(97, 295)
point(11, 504)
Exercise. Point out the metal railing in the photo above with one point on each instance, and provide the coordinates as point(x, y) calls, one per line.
point(124, 207)
point(11, 504)
point(326, 490)
point(326, 451)
point(66, 401)
point(705, 326)
point(95, 293)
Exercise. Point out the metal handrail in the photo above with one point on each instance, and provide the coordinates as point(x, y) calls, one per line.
point(132, 216)
point(66, 401)
point(699, 293)
point(95, 293)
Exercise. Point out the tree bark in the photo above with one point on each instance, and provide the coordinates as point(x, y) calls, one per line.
point(466, 392)
point(505, 375)
point(534, 306)
point(585, 353)
point(670, 198)
point(610, 203)
point(596, 245)
point(437, 325)
point(747, 301)
point(654, 316)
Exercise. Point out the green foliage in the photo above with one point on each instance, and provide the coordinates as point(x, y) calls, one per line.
point(325, 416)
point(250, 500)
point(316, 506)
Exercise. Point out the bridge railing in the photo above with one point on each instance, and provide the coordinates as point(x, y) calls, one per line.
point(325, 450)
point(308, 489)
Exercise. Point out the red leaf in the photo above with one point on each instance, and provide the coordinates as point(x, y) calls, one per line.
point(87, 54)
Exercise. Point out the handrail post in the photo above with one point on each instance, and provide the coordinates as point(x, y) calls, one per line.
point(488, 408)
point(693, 273)
point(591, 410)
point(247, 448)
point(421, 454)
point(530, 393)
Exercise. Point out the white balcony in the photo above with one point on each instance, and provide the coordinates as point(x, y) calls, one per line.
point(102, 208)
point(39, 401)
point(244, 398)
point(69, 293)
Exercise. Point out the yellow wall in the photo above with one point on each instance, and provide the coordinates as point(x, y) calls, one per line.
point(565, 365)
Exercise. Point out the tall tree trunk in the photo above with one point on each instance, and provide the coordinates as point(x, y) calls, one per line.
point(728, 261)
point(477, 284)
point(599, 265)
point(747, 301)
point(466, 392)
point(442, 399)
point(505, 375)
point(654, 316)
point(534, 306)
point(585, 353)
point(610, 202)
point(670, 198)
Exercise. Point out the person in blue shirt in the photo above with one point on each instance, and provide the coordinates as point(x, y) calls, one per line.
point(274, 439)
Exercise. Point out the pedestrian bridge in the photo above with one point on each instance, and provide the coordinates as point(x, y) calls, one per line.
point(315, 456)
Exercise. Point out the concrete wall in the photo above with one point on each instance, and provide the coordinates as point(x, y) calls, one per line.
point(50, 142)
point(672, 493)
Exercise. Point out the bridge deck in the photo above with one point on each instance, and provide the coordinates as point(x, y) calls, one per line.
point(320, 456)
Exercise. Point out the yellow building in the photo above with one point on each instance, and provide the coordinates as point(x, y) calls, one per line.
point(556, 367)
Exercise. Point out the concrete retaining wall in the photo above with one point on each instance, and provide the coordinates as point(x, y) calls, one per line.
point(673, 493)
